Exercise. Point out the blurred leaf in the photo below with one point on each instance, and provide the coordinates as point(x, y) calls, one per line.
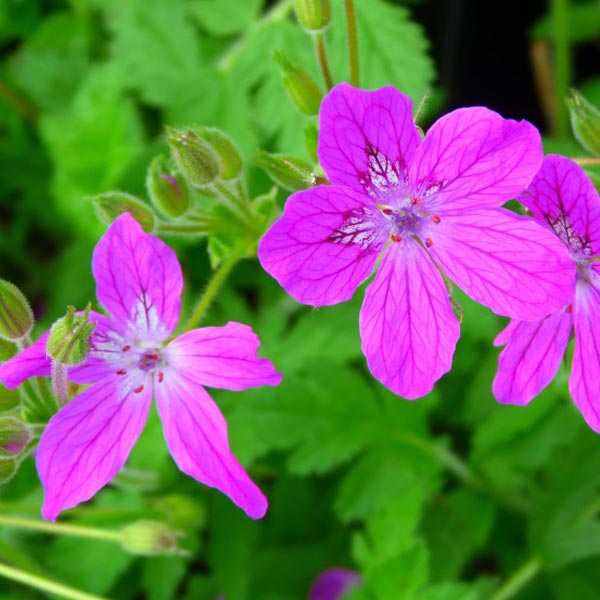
point(52, 62)
point(156, 44)
point(583, 23)
point(161, 576)
point(92, 145)
point(225, 17)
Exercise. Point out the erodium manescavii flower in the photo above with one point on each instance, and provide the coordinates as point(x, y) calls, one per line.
point(564, 200)
point(425, 207)
point(139, 283)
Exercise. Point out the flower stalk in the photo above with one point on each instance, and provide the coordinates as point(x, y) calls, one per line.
point(352, 43)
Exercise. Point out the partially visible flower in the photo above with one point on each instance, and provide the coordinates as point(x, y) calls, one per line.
point(139, 282)
point(333, 584)
point(426, 207)
point(563, 199)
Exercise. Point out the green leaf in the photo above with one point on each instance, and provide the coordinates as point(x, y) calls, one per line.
point(161, 576)
point(457, 525)
point(225, 17)
point(583, 23)
point(156, 44)
point(52, 62)
point(92, 144)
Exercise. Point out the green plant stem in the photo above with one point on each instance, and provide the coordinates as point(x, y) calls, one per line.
point(321, 50)
point(519, 579)
point(352, 43)
point(218, 279)
point(46, 585)
point(20, 104)
point(562, 66)
point(91, 533)
point(588, 161)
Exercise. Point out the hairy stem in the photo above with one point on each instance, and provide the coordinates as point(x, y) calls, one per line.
point(46, 585)
point(519, 579)
point(91, 533)
point(352, 43)
point(321, 50)
point(587, 161)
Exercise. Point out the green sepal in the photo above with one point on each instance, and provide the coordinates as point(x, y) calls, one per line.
point(110, 205)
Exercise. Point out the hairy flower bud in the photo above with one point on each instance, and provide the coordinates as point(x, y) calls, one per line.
point(167, 189)
point(14, 436)
point(585, 120)
point(8, 468)
point(314, 15)
point(195, 157)
point(150, 538)
point(288, 172)
point(300, 86)
point(16, 318)
point(222, 144)
point(110, 205)
point(69, 340)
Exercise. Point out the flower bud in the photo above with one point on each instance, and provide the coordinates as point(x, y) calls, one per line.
point(150, 538)
point(300, 86)
point(16, 318)
point(222, 144)
point(195, 157)
point(314, 15)
point(585, 120)
point(167, 189)
point(14, 436)
point(288, 172)
point(110, 205)
point(8, 467)
point(69, 340)
point(182, 511)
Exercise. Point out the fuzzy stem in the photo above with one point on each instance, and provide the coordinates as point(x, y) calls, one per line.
point(352, 43)
point(519, 579)
point(214, 285)
point(60, 383)
point(46, 585)
point(319, 41)
point(562, 66)
point(91, 533)
point(587, 161)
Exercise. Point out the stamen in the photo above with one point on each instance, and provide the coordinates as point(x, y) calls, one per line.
point(396, 238)
point(138, 389)
point(569, 309)
point(125, 348)
point(385, 209)
point(416, 201)
point(428, 242)
point(161, 376)
point(436, 219)
point(121, 372)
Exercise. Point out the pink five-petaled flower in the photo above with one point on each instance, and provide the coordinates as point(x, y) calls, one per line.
point(563, 199)
point(423, 206)
point(139, 282)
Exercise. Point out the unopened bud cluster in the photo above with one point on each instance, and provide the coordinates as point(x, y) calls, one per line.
point(204, 155)
point(300, 86)
point(314, 15)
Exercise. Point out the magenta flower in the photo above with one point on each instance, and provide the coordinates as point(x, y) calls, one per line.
point(564, 200)
point(425, 207)
point(333, 584)
point(139, 282)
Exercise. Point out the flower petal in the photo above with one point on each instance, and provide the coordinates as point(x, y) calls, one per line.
point(196, 434)
point(407, 325)
point(584, 383)
point(563, 198)
point(366, 139)
point(531, 358)
point(86, 443)
point(475, 158)
point(324, 246)
point(222, 357)
point(333, 584)
point(138, 279)
point(505, 261)
point(31, 362)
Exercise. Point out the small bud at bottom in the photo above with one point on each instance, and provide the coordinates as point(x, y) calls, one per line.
point(150, 538)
